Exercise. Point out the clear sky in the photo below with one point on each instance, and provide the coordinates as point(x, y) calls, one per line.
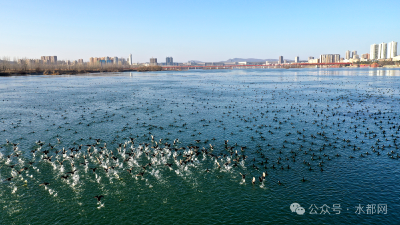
point(205, 30)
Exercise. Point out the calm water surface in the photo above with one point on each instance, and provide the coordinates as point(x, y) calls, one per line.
point(337, 129)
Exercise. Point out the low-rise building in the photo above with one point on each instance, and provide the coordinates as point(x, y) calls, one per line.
point(313, 60)
point(396, 58)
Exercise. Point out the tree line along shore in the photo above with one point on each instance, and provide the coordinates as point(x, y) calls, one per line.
point(9, 69)
point(17, 69)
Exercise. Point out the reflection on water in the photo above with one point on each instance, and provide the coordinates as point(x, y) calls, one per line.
point(384, 72)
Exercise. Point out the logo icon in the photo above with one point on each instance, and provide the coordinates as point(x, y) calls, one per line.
point(295, 207)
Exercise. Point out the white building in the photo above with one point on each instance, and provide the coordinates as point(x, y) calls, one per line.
point(297, 59)
point(353, 54)
point(130, 59)
point(373, 53)
point(396, 58)
point(392, 50)
point(382, 52)
point(348, 54)
point(313, 60)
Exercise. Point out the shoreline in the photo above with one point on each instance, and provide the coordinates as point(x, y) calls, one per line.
point(76, 72)
point(60, 72)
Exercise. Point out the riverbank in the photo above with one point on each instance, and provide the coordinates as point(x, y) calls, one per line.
point(159, 68)
point(77, 71)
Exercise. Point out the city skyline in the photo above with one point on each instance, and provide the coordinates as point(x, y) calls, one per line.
point(157, 28)
point(377, 52)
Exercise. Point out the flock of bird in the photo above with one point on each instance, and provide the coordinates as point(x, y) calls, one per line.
point(97, 161)
point(245, 128)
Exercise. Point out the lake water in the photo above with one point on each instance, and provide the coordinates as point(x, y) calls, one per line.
point(335, 128)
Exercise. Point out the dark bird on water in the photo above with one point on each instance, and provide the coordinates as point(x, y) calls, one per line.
point(140, 174)
point(72, 172)
point(8, 179)
point(98, 197)
point(130, 170)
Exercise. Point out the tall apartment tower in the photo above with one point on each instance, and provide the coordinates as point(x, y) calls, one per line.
point(115, 60)
point(280, 60)
point(297, 59)
point(353, 53)
point(49, 59)
point(153, 61)
point(373, 52)
point(348, 54)
point(382, 52)
point(392, 50)
point(130, 59)
point(329, 58)
point(169, 61)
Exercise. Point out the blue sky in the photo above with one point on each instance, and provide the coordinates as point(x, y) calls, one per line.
point(194, 30)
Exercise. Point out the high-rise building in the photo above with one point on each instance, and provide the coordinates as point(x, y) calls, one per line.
point(392, 50)
point(49, 59)
point(80, 61)
point(130, 59)
point(382, 52)
point(115, 60)
point(297, 59)
point(329, 58)
point(373, 52)
point(353, 53)
point(311, 57)
point(348, 56)
point(280, 60)
point(169, 61)
point(122, 60)
point(153, 61)
point(365, 56)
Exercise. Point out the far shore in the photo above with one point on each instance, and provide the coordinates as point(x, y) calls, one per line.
point(77, 71)
point(152, 68)
point(58, 72)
